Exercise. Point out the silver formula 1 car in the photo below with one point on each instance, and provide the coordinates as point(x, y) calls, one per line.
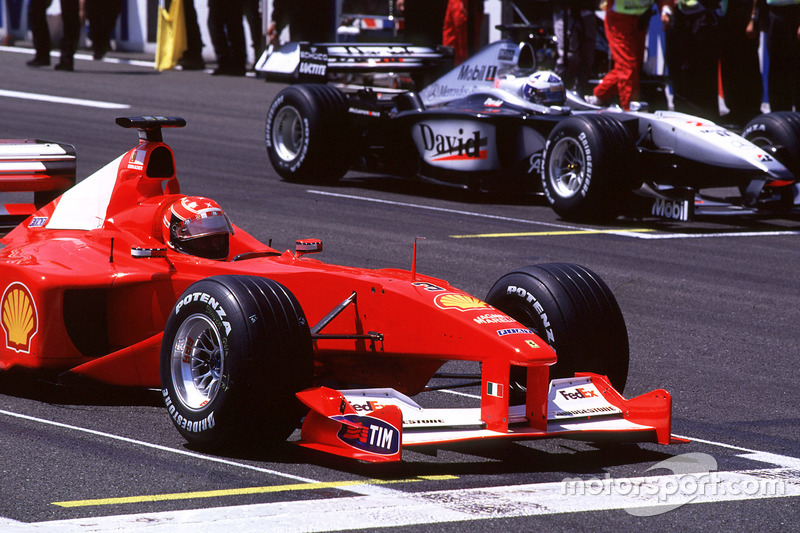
point(493, 122)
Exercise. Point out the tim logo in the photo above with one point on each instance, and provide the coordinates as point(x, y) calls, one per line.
point(369, 434)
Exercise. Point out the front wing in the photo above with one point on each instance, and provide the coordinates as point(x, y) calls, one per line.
point(374, 425)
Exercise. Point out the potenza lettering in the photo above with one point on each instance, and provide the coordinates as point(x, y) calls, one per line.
point(211, 302)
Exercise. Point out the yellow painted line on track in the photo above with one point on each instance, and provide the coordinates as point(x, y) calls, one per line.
point(551, 233)
point(244, 491)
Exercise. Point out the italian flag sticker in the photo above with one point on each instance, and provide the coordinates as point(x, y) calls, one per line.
point(494, 389)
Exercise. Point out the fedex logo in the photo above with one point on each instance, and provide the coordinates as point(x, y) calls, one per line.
point(578, 394)
point(371, 405)
point(369, 434)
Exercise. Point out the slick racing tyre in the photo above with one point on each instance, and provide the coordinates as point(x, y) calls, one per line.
point(574, 311)
point(235, 351)
point(778, 133)
point(306, 134)
point(587, 167)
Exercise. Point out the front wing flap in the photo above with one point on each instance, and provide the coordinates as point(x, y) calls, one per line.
point(374, 425)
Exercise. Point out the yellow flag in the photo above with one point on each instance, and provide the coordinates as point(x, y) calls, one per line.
point(171, 35)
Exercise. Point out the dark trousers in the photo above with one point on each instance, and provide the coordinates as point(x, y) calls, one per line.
point(71, 21)
point(37, 23)
point(102, 16)
point(784, 57)
point(227, 33)
point(739, 67)
point(194, 41)
point(692, 57)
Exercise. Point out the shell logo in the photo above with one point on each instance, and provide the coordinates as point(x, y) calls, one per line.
point(462, 302)
point(20, 320)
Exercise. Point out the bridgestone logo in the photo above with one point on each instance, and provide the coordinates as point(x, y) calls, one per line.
point(184, 423)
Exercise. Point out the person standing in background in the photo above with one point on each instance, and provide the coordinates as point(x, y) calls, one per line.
point(192, 58)
point(308, 20)
point(227, 36)
point(575, 28)
point(462, 27)
point(693, 53)
point(783, 45)
point(740, 71)
point(626, 26)
point(71, 22)
point(252, 13)
point(102, 16)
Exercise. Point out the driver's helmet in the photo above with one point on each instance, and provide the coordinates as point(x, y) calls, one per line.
point(197, 226)
point(544, 88)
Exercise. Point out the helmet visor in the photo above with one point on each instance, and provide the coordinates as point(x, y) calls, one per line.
point(211, 222)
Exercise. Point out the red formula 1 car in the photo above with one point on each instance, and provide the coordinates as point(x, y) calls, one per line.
point(123, 280)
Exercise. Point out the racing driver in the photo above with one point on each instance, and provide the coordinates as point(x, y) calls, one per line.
point(198, 226)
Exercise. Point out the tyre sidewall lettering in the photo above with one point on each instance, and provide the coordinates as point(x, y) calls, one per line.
point(194, 426)
point(270, 118)
point(587, 154)
point(753, 128)
point(295, 165)
point(544, 326)
point(543, 171)
point(210, 306)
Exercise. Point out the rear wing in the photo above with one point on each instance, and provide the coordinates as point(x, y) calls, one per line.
point(47, 169)
point(305, 62)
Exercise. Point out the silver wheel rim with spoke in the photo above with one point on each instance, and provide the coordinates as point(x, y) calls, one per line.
point(288, 133)
point(567, 167)
point(197, 361)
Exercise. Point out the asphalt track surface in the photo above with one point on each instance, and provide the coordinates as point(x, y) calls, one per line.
point(711, 310)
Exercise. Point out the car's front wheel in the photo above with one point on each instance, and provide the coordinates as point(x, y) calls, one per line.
point(574, 311)
point(778, 133)
point(235, 351)
point(586, 169)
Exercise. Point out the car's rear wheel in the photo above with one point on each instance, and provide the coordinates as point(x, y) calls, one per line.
point(586, 170)
point(306, 134)
point(574, 311)
point(235, 351)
